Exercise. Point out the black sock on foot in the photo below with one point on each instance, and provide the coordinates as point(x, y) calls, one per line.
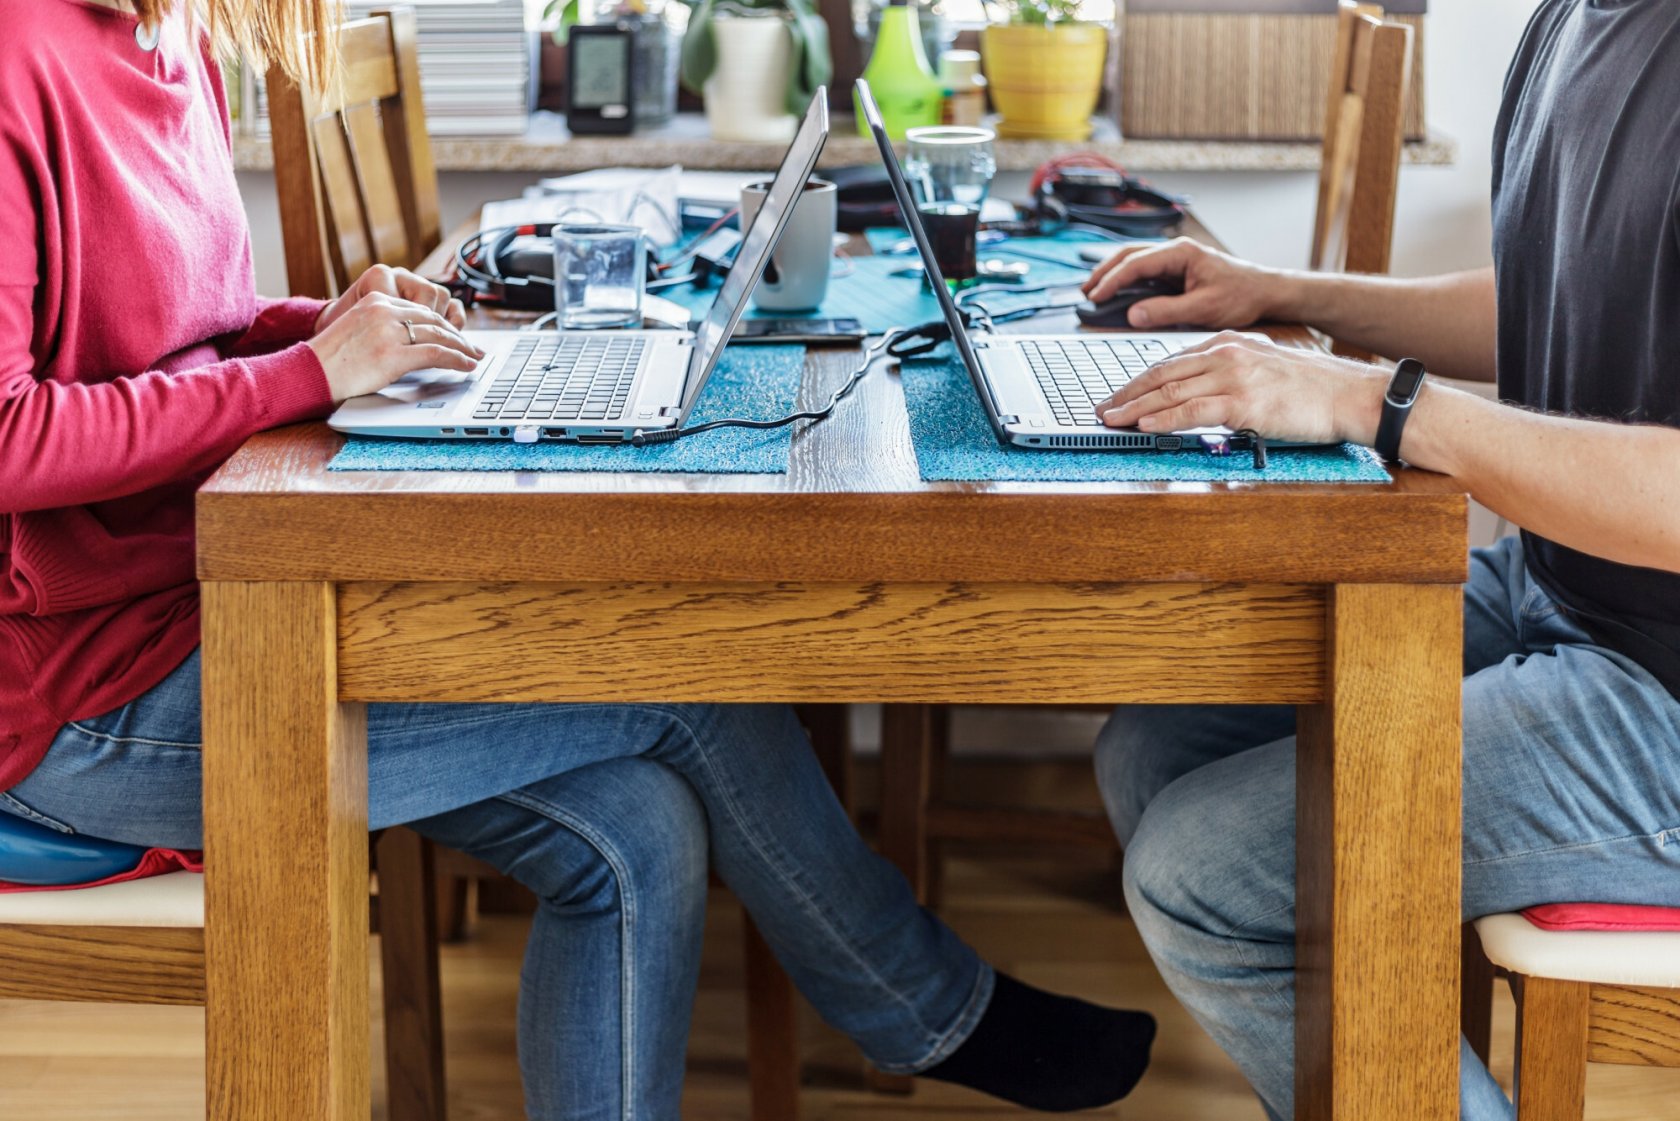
point(1049, 1052)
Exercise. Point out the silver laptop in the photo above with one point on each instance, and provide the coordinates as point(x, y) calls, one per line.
point(1041, 391)
point(590, 387)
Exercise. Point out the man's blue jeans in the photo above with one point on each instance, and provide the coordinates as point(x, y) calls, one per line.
point(607, 813)
point(1571, 794)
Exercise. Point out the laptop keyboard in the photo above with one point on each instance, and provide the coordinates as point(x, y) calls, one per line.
point(563, 377)
point(1078, 374)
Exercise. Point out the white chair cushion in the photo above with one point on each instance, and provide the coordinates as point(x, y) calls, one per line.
point(175, 899)
point(1601, 957)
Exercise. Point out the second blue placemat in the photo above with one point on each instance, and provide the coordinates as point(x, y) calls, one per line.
point(751, 381)
point(954, 443)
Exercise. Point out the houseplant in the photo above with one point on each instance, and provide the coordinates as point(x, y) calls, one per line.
point(1045, 67)
point(757, 63)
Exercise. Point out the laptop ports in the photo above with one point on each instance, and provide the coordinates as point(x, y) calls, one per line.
point(1168, 443)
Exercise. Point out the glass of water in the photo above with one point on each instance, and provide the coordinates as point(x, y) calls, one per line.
point(950, 164)
point(599, 273)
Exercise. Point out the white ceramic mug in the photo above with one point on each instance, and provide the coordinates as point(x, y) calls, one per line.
point(797, 277)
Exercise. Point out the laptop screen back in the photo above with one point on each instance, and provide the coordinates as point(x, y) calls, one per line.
point(913, 221)
point(754, 253)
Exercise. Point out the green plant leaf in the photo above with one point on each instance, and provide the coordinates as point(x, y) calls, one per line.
point(812, 63)
point(569, 13)
point(699, 48)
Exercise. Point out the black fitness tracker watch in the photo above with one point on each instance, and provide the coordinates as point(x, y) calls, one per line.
point(1403, 389)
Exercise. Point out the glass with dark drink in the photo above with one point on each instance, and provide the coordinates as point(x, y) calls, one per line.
point(953, 230)
point(950, 172)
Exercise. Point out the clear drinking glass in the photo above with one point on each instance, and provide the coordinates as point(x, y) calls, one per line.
point(950, 164)
point(599, 273)
point(950, 169)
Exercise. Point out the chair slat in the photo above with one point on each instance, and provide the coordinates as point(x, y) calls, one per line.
point(405, 136)
point(1359, 173)
point(1350, 14)
point(1387, 65)
point(378, 186)
point(353, 165)
point(348, 238)
point(370, 66)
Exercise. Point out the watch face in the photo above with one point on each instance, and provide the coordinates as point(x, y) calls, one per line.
point(1408, 379)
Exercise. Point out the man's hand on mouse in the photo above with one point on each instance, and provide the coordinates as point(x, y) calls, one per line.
point(1283, 393)
point(1219, 290)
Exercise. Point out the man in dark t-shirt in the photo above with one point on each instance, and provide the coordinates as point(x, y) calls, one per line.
point(1571, 633)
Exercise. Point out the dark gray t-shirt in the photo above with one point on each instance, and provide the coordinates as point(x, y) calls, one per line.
point(1586, 240)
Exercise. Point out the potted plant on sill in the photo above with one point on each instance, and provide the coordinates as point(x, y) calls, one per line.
point(757, 63)
point(1045, 68)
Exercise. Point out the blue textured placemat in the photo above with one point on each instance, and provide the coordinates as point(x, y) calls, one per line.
point(751, 381)
point(872, 290)
point(955, 443)
point(860, 288)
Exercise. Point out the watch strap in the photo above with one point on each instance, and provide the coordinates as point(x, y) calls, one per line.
point(1396, 409)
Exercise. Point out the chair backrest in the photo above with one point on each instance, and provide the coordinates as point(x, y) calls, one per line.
point(353, 166)
point(1359, 176)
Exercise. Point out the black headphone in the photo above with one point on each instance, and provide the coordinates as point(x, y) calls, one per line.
point(492, 267)
point(1085, 188)
point(489, 267)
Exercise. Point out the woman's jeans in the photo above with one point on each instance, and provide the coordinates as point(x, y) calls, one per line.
point(606, 812)
point(1571, 794)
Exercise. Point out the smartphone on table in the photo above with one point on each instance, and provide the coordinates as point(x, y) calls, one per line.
point(812, 332)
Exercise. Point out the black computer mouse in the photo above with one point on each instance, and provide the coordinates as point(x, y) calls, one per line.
point(1113, 311)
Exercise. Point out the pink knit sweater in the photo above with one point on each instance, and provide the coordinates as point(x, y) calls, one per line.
point(135, 356)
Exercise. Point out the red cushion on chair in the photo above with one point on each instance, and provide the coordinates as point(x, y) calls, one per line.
point(1603, 916)
point(155, 863)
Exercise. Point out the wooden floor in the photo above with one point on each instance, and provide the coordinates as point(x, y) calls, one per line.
point(1055, 922)
point(1052, 923)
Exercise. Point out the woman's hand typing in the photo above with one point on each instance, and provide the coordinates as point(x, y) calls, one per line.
point(401, 284)
point(379, 338)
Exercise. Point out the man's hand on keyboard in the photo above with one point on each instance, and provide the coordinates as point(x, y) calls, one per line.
point(1283, 393)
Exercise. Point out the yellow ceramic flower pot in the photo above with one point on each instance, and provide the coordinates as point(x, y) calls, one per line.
point(1045, 78)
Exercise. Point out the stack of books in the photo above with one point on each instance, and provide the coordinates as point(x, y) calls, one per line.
point(478, 68)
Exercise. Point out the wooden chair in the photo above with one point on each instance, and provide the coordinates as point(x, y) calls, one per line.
point(1359, 174)
point(1582, 997)
point(142, 942)
point(353, 166)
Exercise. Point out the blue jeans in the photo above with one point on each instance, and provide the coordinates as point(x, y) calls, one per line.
point(606, 812)
point(1571, 794)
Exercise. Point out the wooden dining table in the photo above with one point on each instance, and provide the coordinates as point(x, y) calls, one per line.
point(848, 579)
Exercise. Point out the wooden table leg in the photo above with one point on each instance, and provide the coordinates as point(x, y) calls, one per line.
point(1379, 840)
point(285, 826)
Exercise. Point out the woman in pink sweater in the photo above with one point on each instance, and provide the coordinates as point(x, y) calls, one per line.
point(135, 356)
